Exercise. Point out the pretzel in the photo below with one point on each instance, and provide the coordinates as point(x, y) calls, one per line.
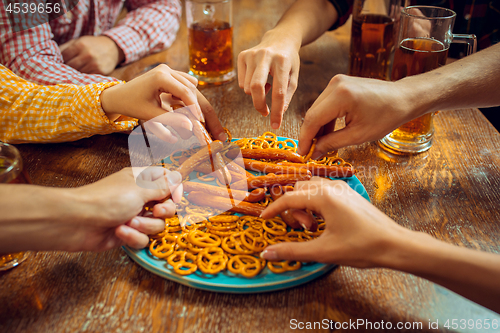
point(212, 239)
point(245, 265)
point(229, 246)
point(253, 239)
point(162, 248)
point(226, 204)
point(211, 260)
point(279, 267)
point(272, 180)
point(297, 236)
point(203, 239)
point(275, 227)
point(269, 154)
point(251, 222)
point(179, 260)
point(238, 244)
point(323, 170)
point(311, 150)
point(318, 232)
point(266, 167)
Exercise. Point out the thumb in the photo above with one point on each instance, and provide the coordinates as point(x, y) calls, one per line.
point(299, 251)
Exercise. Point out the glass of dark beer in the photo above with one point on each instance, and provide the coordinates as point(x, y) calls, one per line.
point(210, 40)
point(424, 39)
point(373, 37)
point(12, 172)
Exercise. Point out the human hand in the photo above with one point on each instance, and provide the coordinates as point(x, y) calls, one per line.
point(372, 109)
point(112, 207)
point(144, 96)
point(92, 54)
point(278, 57)
point(357, 234)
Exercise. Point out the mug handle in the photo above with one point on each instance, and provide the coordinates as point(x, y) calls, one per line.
point(470, 40)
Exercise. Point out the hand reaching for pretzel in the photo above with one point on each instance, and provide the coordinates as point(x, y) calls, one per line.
point(355, 230)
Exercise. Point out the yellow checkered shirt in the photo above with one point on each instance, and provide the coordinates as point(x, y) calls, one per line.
point(65, 112)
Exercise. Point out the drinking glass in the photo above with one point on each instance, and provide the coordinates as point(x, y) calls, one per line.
point(12, 172)
point(424, 39)
point(210, 40)
point(373, 36)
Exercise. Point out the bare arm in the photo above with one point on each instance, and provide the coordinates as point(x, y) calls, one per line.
point(358, 234)
point(469, 82)
point(278, 55)
point(94, 217)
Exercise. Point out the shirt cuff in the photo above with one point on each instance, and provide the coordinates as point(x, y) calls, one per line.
point(344, 9)
point(95, 120)
point(129, 41)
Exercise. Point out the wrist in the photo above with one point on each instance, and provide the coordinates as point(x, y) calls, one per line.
point(116, 52)
point(284, 37)
point(109, 102)
point(418, 96)
point(410, 251)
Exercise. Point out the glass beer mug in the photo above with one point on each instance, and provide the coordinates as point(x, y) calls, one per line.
point(210, 40)
point(424, 39)
point(373, 36)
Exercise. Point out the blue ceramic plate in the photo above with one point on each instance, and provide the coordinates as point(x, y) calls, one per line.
point(227, 282)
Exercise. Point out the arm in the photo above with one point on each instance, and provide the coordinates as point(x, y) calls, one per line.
point(278, 55)
point(81, 111)
point(41, 61)
point(94, 217)
point(149, 27)
point(470, 82)
point(358, 234)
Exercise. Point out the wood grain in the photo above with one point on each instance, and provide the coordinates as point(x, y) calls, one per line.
point(451, 192)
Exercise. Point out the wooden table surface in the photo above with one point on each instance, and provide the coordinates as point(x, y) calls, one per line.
point(451, 192)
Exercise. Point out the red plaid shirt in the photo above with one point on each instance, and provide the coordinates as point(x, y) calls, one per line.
point(150, 26)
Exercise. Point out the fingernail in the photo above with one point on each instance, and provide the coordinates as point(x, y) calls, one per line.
point(316, 155)
point(223, 137)
point(174, 178)
point(134, 223)
point(187, 125)
point(269, 255)
point(275, 125)
point(304, 226)
point(163, 211)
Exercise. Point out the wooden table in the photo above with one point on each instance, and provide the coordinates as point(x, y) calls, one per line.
point(451, 192)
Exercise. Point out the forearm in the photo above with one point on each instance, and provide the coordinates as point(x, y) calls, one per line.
point(75, 111)
point(150, 26)
point(305, 21)
point(470, 82)
point(38, 218)
point(470, 273)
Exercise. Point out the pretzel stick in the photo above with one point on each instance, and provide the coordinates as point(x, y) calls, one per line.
point(247, 208)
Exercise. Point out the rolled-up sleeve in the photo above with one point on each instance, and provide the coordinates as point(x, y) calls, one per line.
point(149, 27)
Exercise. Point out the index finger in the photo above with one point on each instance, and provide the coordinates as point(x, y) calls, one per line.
point(281, 79)
point(211, 118)
point(316, 117)
point(169, 84)
point(295, 200)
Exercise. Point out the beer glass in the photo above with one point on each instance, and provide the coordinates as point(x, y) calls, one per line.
point(210, 39)
point(11, 172)
point(373, 36)
point(424, 39)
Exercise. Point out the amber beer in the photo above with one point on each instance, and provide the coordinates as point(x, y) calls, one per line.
point(372, 43)
point(210, 48)
point(416, 56)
